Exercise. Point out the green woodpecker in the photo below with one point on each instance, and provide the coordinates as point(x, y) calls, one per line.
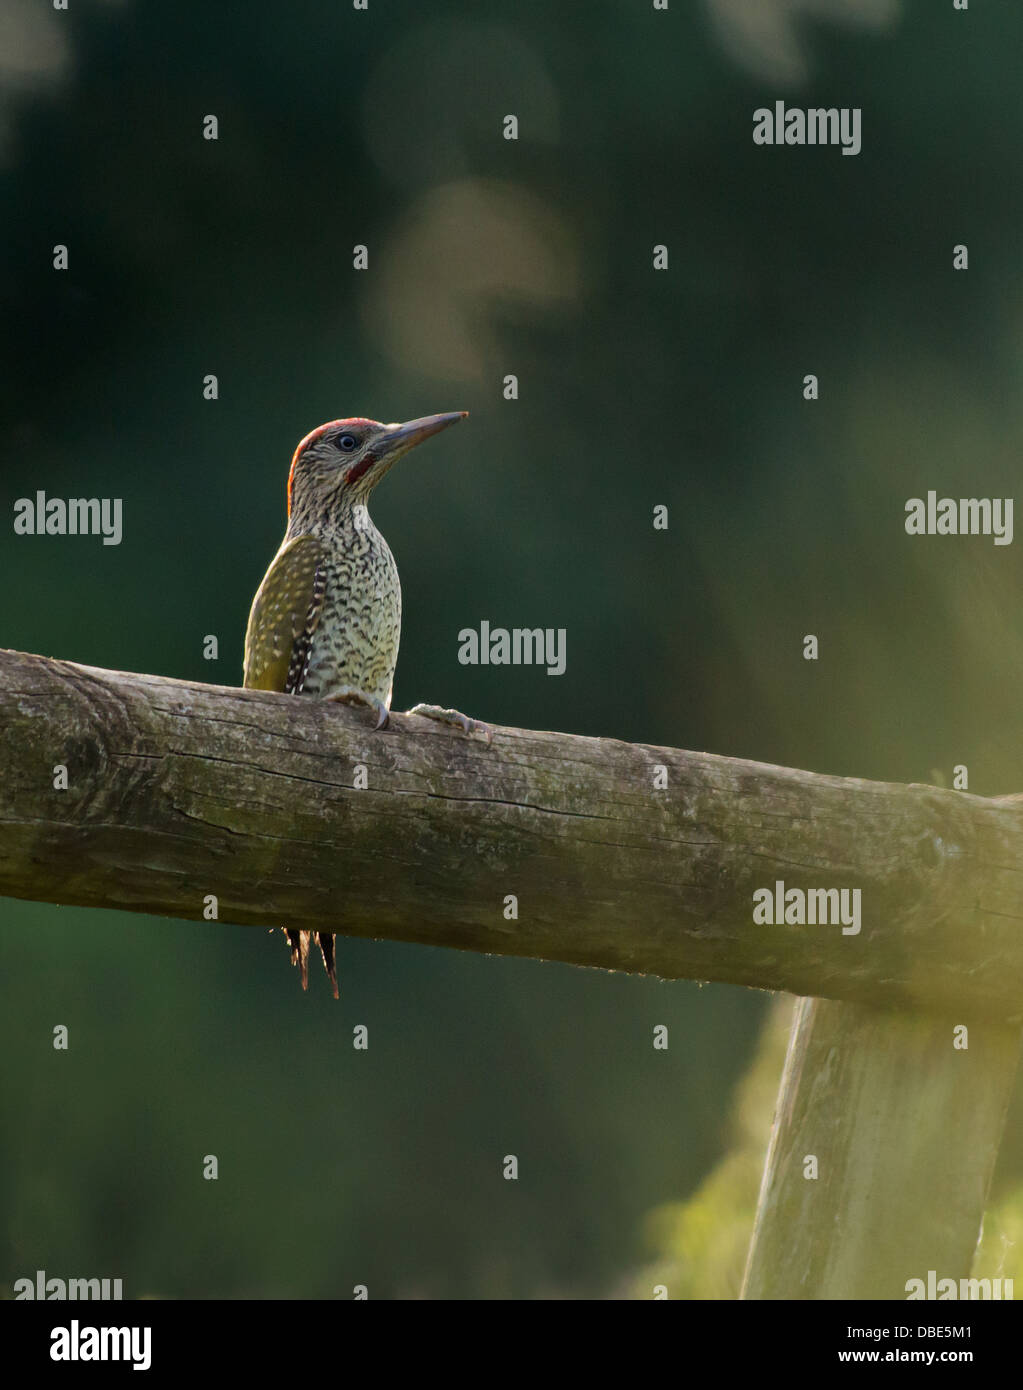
point(327, 617)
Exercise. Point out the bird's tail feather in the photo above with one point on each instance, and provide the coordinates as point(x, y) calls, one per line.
point(325, 940)
point(299, 943)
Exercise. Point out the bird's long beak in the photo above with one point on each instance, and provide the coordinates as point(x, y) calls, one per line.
point(413, 432)
point(395, 441)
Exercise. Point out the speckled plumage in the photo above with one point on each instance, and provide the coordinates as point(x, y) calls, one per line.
point(328, 613)
point(326, 620)
point(356, 642)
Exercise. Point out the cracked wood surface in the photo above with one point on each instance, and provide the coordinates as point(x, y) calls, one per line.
point(178, 790)
point(904, 1126)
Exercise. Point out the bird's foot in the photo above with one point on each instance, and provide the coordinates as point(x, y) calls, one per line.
point(349, 695)
point(454, 717)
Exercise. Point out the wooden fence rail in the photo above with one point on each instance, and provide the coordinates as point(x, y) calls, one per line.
point(594, 852)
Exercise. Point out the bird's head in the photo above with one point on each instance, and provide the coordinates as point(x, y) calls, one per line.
point(342, 461)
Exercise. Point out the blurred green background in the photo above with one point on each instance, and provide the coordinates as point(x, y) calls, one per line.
point(637, 388)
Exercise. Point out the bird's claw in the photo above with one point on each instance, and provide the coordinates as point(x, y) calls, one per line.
point(349, 695)
point(454, 717)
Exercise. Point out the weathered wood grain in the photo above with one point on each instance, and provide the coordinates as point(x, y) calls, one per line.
point(178, 790)
point(904, 1128)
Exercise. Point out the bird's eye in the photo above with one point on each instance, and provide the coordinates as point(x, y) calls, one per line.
point(346, 443)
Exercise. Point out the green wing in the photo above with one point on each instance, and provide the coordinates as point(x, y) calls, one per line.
point(283, 618)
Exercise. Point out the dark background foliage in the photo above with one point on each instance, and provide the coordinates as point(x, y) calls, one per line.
point(638, 388)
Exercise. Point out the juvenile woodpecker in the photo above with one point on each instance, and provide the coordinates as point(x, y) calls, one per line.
point(327, 617)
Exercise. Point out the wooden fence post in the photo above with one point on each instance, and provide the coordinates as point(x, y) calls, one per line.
point(629, 857)
point(903, 1128)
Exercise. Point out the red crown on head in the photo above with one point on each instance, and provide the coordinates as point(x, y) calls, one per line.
point(318, 433)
